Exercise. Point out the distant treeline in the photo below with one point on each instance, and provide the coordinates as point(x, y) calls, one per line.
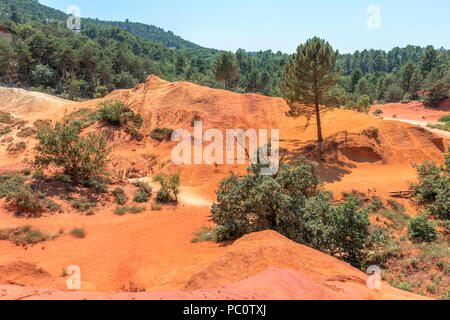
point(104, 56)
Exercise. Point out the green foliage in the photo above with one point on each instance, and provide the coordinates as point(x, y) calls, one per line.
point(436, 93)
point(445, 118)
point(82, 158)
point(24, 235)
point(225, 69)
point(433, 188)
point(5, 117)
point(25, 199)
point(205, 234)
point(100, 92)
point(422, 229)
point(120, 196)
point(120, 211)
point(170, 187)
point(292, 204)
point(82, 204)
point(161, 134)
point(363, 103)
point(144, 193)
point(378, 112)
point(117, 114)
point(78, 233)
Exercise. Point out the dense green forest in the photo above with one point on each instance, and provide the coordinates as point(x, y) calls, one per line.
point(44, 55)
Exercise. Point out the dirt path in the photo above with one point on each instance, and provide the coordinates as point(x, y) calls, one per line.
point(423, 124)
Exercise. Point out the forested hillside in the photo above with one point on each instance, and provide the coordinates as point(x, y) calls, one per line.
point(104, 56)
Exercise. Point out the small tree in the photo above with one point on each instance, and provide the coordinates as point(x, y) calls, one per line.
point(308, 79)
point(169, 187)
point(422, 229)
point(82, 158)
point(433, 187)
point(74, 88)
point(225, 69)
point(436, 94)
point(364, 103)
point(100, 92)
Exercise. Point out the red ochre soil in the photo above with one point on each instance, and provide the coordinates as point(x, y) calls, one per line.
point(153, 250)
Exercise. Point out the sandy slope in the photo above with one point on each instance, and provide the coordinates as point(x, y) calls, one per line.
point(154, 249)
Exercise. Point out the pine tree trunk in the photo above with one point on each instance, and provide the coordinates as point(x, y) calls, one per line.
point(319, 125)
point(319, 134)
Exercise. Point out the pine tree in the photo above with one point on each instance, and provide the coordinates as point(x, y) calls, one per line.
point(308, 79)
point(225, 69)
point(406, 74)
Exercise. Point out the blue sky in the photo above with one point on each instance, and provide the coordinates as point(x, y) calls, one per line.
point(282, 24)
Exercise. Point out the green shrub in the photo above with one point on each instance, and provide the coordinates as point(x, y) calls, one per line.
point(445, 118)
point(82, 158)
point(376, 204)
point(205, 234)
point(169, 190)
point(120, 211)
point(10, 182)
point(25, 235)
point(378, 111)
point(118, 114)
point(433, 188)
point(405, 285)
point(26, 172)
point(119, 196)
point(5, 130)
point(134, 209)
point(25, 199)
point(161, 134)
point(5, 117)
point(422, 229)
point(26, 132)
point(39, 175)
point(291, 203)
point(100, 92)
point(363, 103)
point(82, 204)
point(141, 197)
point(78, 233)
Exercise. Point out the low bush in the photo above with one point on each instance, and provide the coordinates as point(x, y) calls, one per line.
point(6, 117)
point(118, 114)
point(144, 193)
point(433, 188)
point(26, 132)
point(421, 229)
point(205, 234)
point(134, 209)
point(445, 118)
point(378, 112)
point(25, 235)
point(120, 196)
point(161, 134)
point(82, 204)
point(78, 233)
point(169, 190)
